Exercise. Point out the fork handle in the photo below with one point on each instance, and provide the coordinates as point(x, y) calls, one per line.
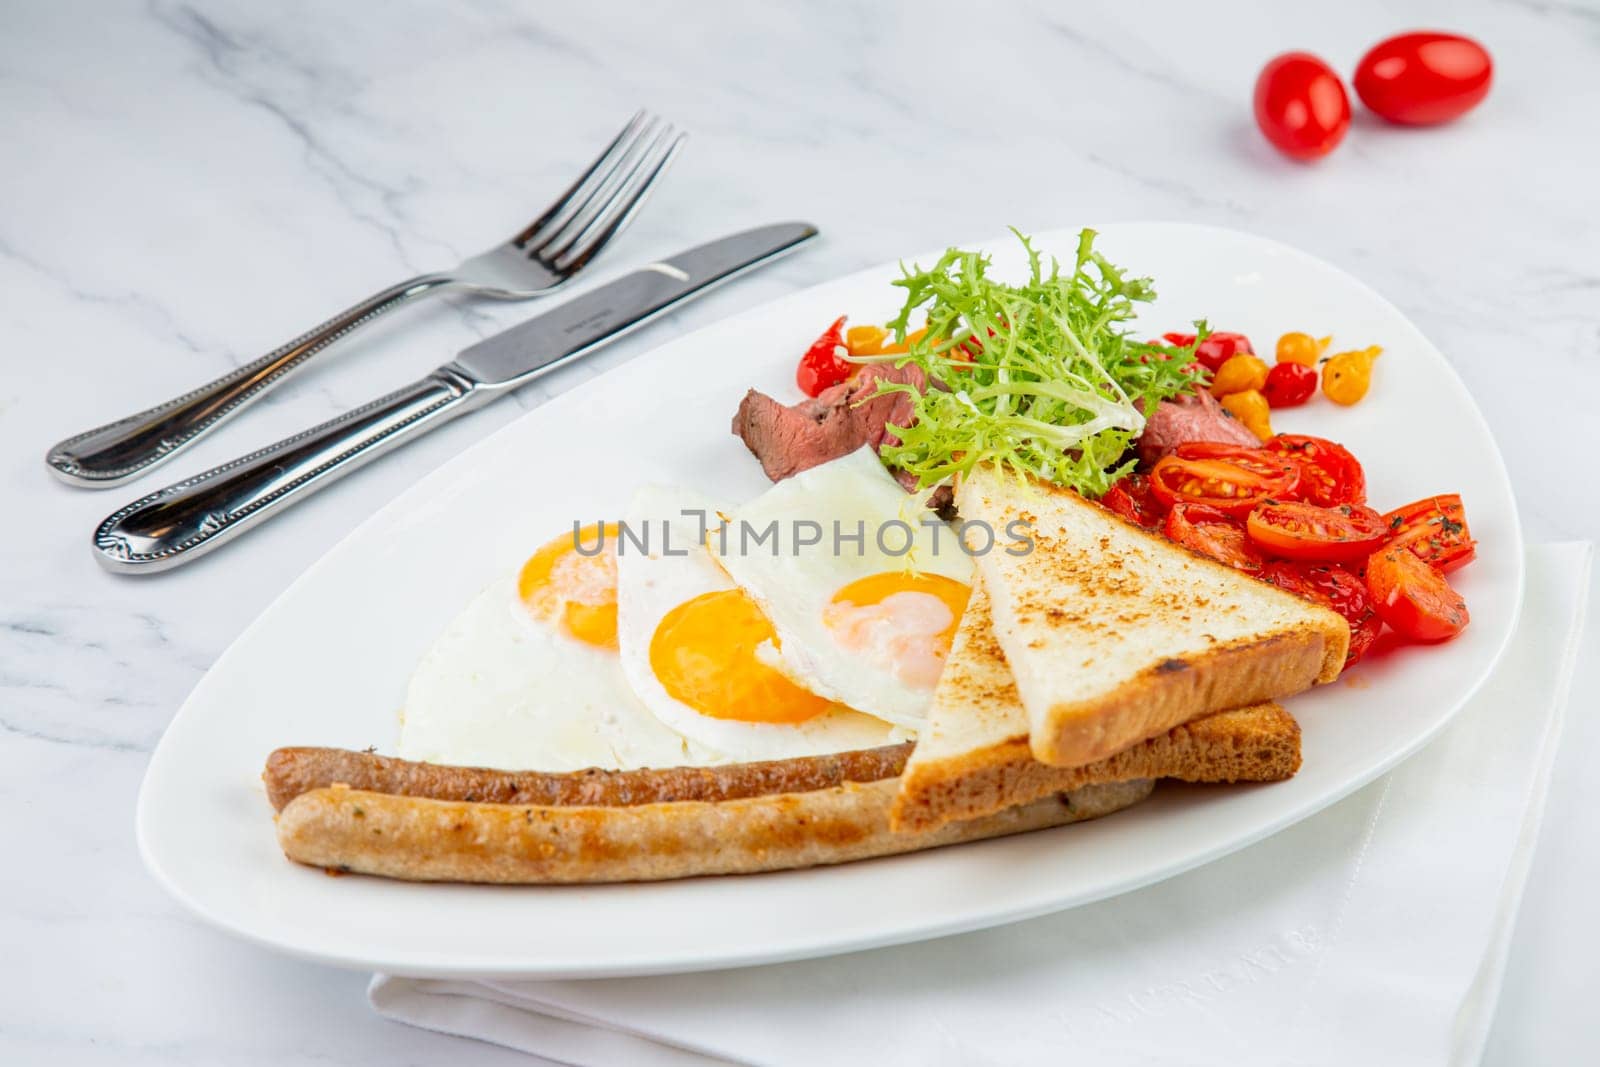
point(120, 451)
point(194, 516)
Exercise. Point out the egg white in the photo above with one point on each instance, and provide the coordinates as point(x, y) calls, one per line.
point(500, 688)
point(794, 583)
point(650, 584)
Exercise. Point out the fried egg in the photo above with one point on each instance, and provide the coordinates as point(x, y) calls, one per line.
point(527, 676)
point(698, 650)
point(863, 586)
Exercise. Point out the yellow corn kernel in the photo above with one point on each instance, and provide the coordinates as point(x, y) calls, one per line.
point(1251, 409)
point(1238, 374)
point(1301, 348)
point(1347, 376)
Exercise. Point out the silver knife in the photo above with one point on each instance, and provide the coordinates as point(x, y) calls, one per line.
point(190, 518)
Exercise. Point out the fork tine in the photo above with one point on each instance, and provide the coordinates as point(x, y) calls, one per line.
point(558, 235)
point(617, 214)
point(558, 213)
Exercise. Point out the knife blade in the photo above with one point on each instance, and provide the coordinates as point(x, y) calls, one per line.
point(184, 521)
point(606, 313)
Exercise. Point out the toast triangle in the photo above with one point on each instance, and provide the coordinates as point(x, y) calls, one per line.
point(1115, 635)
point(973, 758)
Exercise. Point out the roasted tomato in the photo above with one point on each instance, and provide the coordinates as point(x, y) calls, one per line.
point(1216, 349)
point(1329, 474)
point(824, 363)
point(1336, 588)
point(1232, 479)
point(1289, 385)
point(1131, 498)
point(1301, 105)
point(1212, 533)
point(1296, 530)
point(1435, 530)
point(1414, 598)
point(1418, 79)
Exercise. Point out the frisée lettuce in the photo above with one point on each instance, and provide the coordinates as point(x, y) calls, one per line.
point(1041, 378)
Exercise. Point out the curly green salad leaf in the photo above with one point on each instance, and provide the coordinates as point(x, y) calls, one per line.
point(1038, 378)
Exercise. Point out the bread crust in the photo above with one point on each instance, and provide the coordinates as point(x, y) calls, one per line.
point(1255, 744)
point(424, 839)
point(1168, 694)
point(1204, 636)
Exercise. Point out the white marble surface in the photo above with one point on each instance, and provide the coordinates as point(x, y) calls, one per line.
point(183, 186)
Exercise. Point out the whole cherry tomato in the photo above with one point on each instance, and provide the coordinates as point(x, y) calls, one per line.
point(1218, 347)
point(1301, 105)
point(824, 364)
point(1289, 384)
point(1419, 79)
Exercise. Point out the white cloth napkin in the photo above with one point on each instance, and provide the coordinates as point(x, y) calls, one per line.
point(1375, 932)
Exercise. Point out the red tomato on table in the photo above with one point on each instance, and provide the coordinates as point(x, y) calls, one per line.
point(1420, 79)
point(1301, 105)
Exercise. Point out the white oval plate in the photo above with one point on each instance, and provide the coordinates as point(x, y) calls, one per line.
point(327, 663)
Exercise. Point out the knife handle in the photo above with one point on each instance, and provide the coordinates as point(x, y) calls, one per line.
point(120, 451)
point(185, 520)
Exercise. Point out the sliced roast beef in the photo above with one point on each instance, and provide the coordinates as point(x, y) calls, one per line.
point(1192, 417)
point(788, 439)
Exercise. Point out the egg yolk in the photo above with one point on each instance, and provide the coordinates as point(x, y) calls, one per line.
point(704, 654)
point(560, 584)
point(902, 620)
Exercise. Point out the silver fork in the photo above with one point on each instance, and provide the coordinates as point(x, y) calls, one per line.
point(539, 260)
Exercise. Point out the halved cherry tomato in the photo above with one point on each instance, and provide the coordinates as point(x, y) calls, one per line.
point(1296, 530)
point(1435, 530)
point(1418, 79)
point(1226, 477)
point(1131, 498)
point(1212, 533)
point(1329, 476)
point(1289, 385)
point(1216, 349)
point(1414, 598)
point(1301, 105)
point(823, 364)
point(1336, 588)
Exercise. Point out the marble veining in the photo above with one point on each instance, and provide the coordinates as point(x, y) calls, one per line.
point(187, 185)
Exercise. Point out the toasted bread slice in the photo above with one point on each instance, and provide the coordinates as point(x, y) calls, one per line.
point(1116, 635)
point(973, 756)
